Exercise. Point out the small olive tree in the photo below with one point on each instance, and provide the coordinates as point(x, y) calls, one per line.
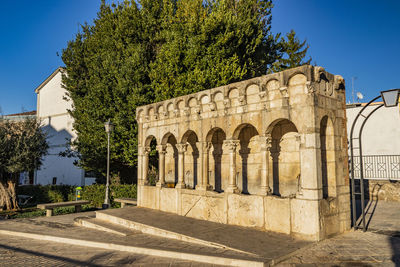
point(22, 146)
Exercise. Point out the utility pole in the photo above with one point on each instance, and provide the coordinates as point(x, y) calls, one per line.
point(352, 88)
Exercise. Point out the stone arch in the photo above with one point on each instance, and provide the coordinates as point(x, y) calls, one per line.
point(272, 86)
point(218, 163)
point(218, 98)
point(327, 137)
point(284, 158)
point(248, 163)
point(233, 95)
point(151, 144)
point(171, 158)
point(296, 79)
point(191, 163)
point(192, 104)
point(252, 93)
point(205, 101)
point(139, 115)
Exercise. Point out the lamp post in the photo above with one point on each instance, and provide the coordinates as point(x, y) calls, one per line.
point(390, 99)
point(109, 127)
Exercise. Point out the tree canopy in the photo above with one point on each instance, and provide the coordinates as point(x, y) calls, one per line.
point(22, 146)
point(138, 52)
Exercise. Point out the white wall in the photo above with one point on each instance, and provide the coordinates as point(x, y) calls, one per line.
point(381, 133)
point(57, 123)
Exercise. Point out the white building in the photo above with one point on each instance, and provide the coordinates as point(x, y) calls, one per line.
point(52, 112)
point(380, 141)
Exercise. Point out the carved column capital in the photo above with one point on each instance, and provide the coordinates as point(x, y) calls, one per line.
point(231, 144)
point(204, 146)
point(146, 150)
point(181, 147)
point(161, 149)
point(266, 142)
point(311, 88)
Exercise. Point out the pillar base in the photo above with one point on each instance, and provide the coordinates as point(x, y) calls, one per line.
point(265, 191)
point(180, 186)
point(159, 184)
point(232, 189)
point(204, 187)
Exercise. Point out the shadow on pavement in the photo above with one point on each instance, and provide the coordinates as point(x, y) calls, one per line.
point(48, 256)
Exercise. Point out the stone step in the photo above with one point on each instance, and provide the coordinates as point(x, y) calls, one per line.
point(251, 242)
point(197, 256)
point(105, 226)
point(131, 225)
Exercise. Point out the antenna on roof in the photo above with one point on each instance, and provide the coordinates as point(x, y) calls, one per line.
point(352, 87)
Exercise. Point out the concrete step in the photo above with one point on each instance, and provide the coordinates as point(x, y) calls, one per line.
point(105, 226)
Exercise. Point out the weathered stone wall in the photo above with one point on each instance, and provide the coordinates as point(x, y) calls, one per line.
point(269, 153)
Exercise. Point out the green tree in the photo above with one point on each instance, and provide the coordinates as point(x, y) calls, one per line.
point(138, 52)
point(22, 146)
point(294, 53)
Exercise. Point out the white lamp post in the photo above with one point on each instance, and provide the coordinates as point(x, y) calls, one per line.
point(109, 127)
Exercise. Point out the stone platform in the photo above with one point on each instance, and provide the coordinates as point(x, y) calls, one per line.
point(246, 241)
point(223, 250)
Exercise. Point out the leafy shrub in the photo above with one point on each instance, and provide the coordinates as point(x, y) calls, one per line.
point(94, 193)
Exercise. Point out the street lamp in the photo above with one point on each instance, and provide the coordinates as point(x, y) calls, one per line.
point(109, 127)
point(390, 99)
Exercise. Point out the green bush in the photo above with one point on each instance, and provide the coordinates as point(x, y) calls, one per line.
point(94, 193)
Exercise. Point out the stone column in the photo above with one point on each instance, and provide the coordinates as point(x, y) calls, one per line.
point(231, 146)
point(204, 150)
point(181, 165)
point(161, 165)
point(266, 143)
point(145, 169)
point(310, 165)
point(139, 166)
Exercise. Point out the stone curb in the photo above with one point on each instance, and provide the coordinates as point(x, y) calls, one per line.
point(141, 250)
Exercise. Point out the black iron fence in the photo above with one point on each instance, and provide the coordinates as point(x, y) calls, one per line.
point(382, 167)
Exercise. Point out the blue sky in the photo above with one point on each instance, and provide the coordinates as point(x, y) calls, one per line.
point(351, 38)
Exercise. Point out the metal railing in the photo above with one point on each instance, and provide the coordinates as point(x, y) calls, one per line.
point(380, 167)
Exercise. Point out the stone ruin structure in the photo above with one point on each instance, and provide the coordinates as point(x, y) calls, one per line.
point(269, 153)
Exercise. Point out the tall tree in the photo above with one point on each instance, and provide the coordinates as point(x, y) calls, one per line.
point(22, 146)
point(293, 54)
point(138, 52)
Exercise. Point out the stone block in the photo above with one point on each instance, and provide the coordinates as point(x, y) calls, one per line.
point(277, 206)
point(246, 210)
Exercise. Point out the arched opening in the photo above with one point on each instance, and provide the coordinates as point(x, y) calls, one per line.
point(191, 159)
point(152, 174)
point(328, 158)
point(248, 163)
point(217, 165)
point(285, 159)
point(171, 160)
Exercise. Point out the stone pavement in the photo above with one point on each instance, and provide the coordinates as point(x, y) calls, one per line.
point(351, 249)
point(16, 251)
point(63, 227)
point(379, 246)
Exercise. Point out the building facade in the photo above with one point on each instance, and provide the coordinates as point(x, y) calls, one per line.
point(52, 111)
point(269, 153)
point(380, 141)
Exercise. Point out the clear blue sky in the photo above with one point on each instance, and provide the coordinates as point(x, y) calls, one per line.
point(350, 38)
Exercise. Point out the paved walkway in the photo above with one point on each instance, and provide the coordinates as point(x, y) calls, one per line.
point(16, 251)
point(380, 246)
